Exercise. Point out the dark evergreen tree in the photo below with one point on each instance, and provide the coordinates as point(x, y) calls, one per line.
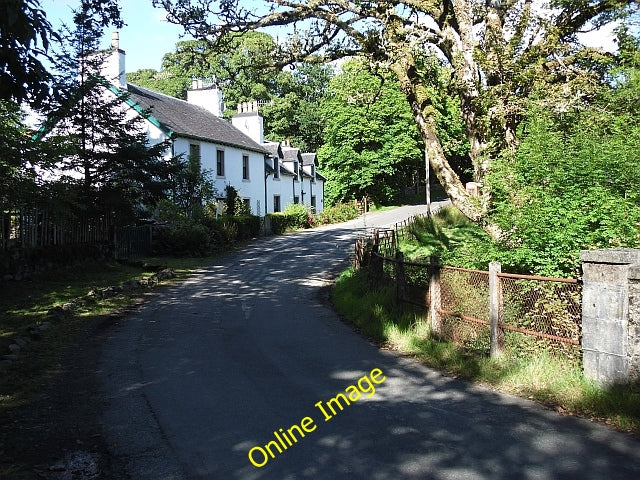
point(103, 145)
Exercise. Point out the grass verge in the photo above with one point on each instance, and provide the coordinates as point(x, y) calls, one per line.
point(27, 303)
point(546, 379)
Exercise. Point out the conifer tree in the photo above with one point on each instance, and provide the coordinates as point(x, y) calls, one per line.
point(103, 146)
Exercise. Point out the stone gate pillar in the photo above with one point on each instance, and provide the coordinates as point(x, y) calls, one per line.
point(611, 315)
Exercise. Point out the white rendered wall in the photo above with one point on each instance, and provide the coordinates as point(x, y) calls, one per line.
point(253, 188)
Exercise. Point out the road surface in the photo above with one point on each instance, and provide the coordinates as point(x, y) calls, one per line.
point(231, 375)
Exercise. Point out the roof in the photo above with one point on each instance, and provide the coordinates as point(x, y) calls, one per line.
point(309, 159)
point(184, 119)
point(286, 170)
point(291, 154)
point(273, 148)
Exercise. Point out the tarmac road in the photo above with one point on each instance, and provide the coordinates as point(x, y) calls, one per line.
point(214, 368)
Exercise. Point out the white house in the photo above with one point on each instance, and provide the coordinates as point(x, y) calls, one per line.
point(268, 177)
point(290, 176)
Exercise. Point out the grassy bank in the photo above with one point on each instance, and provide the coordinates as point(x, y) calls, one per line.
point(550, 380)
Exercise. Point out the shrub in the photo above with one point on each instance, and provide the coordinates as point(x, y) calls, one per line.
point(226, 229)
point(295, 216)
point(298, 215)
point(185, 238)
point(279, 222)
point(340, 212)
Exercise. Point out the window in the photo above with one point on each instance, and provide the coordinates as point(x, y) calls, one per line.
point(313, 173)
point(296, 199)
point(247, 205)
point(220, 163)
point(295, 170)
point(313, 202)
point(276, 203)
point(245, 167)
point(276, 167)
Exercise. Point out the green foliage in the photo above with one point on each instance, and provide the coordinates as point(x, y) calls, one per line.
point(299, 215)
point(168, 211)
point(572, 186)
point(165, 82)
point(241, 208)
point(295, 114)
point(372, 146)
point(26, 34)
point(184, 238)
point(92, 133)
point(279, 222)
point(16, 182)
point(230, 197)
point(226, 230)
point(189, 187)
point(340, 212)
point(294, 217)
point(447, 234)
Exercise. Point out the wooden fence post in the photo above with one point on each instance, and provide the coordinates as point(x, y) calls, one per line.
point(357, 260)
point(495, 309)
point(376, 266)
point(434, 296)
point(401, 282)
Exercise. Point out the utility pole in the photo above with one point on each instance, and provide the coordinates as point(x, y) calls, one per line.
point(427, 183)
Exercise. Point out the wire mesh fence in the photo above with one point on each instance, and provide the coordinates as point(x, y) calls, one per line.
point(464, 307)
point(541, 313)
point(483, 310)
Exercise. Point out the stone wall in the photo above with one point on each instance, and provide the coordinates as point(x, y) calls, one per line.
point(633, 345)
point(611, 315)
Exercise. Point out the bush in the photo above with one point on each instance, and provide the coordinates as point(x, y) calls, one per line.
point(279, 222)
point(185, 238)
point(227, 229)
point(298, 216)
point(341, 212)
point(294, 217)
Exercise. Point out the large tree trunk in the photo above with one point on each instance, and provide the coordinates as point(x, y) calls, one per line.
point(472, 208)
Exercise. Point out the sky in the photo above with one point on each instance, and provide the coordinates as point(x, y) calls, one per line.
point(145, 38)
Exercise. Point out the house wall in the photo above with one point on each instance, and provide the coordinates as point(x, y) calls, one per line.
point(252, 189)
point(283, 187)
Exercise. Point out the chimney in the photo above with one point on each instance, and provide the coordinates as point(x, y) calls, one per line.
point(113, 68)
point(208, 97)
point(249, 121)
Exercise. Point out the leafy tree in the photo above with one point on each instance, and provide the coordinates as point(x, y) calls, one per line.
point(190, 187)
point(295, 114)
point(25, 34)
point(498, 53)
point(573, 184)
point(17, 179)
point(162, 81)
point(242, 73)
point(372, 146)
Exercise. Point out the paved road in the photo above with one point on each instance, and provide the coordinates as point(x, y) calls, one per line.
point(217, 366)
